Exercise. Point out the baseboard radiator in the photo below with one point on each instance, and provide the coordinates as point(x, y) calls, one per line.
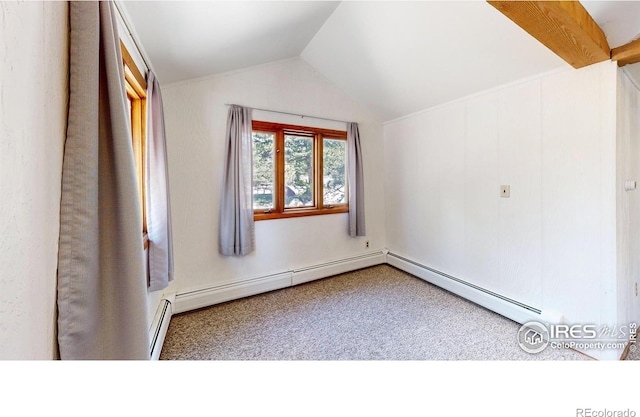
point(160, 325)
point(515, 310)
point(208, 296)
point(302, 275)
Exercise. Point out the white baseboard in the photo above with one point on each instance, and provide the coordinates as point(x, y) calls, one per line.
point(209, 296)
point(328, 269)
point(160, 325)
point(512, 309)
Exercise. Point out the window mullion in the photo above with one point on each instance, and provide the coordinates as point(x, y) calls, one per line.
point(318, 167)
point(279, 186)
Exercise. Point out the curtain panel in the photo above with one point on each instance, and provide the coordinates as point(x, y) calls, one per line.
point(237, 229)
point(101, 280)
point(158, 205)
point(356, 182)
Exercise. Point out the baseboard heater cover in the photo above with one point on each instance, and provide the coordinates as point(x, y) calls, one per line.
point(300, 276)
point(512, 309)
point(191, 300)
point(209, 296)
point(159, 326)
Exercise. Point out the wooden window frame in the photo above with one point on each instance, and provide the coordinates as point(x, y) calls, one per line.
point(318, 134)
point(136, 90)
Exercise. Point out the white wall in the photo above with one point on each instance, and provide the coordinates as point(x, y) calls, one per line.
point(579, 203)
point(196, 114)
point(552, 244)
point(628, 242)
point(33, 94)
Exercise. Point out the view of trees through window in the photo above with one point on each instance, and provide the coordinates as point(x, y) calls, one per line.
point(312, 167)
point(264, 173)
point(298, 171)
point(334, 171)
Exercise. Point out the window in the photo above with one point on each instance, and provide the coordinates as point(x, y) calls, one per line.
point(298, 171)
point(136, 86)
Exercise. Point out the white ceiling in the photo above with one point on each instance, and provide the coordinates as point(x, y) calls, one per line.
point(396, 57)
point(191, 39)
point(406, 56)
point(620, 20)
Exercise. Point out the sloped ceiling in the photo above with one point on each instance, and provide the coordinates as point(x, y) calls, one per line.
point(402, 57)
point(191, 39)
point(396, 57)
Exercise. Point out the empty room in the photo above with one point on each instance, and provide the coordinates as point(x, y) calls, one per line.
point(320, 181)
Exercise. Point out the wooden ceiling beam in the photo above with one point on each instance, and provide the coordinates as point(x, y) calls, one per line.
point(565, 27)
point(627, 54)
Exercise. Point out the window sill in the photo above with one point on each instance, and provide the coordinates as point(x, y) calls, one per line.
point(258, 216)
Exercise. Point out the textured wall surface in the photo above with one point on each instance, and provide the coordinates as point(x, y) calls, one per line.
point(552, 244)
point(628, 242)
point(33, 94)
point(196, 115)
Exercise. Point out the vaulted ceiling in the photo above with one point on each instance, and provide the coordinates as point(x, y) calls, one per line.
point(396, 57)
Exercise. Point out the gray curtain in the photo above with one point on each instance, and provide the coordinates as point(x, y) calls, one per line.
point(101, 280)
point(356, 182)
point(237, 236)
point(158, 205)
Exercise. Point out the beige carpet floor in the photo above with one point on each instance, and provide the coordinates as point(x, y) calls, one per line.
point(378, 313)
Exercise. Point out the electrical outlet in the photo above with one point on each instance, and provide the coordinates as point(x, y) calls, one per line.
point(636, 288)
point(366, 245)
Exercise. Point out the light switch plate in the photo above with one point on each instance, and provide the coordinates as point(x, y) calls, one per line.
point(505, 191)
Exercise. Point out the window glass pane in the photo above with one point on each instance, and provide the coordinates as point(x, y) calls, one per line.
point(334, 175)
point(298, 171)
point(263, 170)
